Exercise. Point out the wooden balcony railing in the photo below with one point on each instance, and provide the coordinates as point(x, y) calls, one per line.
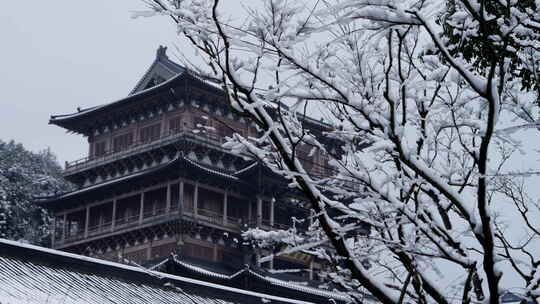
point(316, 169)
point(141, 146)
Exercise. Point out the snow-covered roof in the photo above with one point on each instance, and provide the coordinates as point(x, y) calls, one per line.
point(265, 278)
point(31, 274)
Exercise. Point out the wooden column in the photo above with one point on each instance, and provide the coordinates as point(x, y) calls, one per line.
point(86, 221)
point(141, 212)
point(181, 197)
point(65, 225)
point(195, 199)
point(272, 203)
point(53, 237)
point(113, 218)
point(259, 211)
point(168, 203)
point(225, 208)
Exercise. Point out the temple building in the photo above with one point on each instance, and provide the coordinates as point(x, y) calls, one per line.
point(157, 180)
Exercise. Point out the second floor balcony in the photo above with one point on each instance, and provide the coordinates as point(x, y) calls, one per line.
point(140, 146)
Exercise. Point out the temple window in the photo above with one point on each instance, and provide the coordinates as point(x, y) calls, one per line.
point(155, 202)
point(189, 193)
point(100, 148)
point(210, 203)
point(127, 209)
point(76, 223)
point(100, 217)
point(163, 251)
point(150, 133)
point(198, 251)
point(237, 210)
point(122, 142)
point(175, 124)
point(175, 196)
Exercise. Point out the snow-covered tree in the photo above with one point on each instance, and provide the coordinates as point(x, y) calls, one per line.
point(428, 99)
point(25, 175)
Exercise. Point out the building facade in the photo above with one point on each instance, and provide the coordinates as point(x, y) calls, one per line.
point(158, 180)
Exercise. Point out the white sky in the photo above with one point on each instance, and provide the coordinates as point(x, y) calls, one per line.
point(58, 55)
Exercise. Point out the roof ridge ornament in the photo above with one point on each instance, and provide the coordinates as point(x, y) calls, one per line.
point(161, 52)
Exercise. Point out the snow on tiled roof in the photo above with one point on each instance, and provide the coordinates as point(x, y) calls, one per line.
point(31, 274)
point(273, 281)
point(203, 271)
point(211, 171)
point(296, 286)
point(247, 168)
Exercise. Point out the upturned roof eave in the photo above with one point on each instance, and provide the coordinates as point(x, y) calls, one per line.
point(54, 202)
point(67, 120)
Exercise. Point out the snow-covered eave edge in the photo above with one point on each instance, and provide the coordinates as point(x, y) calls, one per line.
point(307, 289)
point(274, 281)
point(150, 273)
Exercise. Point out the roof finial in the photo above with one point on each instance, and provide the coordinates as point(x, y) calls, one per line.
point(161, 52)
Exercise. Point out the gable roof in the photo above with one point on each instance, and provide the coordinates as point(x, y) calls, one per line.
point(162, 67)
point(31, 274)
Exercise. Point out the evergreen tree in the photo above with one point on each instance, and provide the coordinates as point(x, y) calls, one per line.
point(25, 175)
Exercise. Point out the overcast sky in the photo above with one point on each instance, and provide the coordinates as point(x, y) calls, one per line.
point(58, 55)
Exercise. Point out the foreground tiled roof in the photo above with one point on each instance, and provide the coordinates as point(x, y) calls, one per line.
point(298, 289)
point(30, 274)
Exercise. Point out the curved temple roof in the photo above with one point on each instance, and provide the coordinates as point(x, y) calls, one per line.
point(31, 274)
point(161, 75)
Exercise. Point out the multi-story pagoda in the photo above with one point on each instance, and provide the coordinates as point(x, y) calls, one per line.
point(157, 179)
